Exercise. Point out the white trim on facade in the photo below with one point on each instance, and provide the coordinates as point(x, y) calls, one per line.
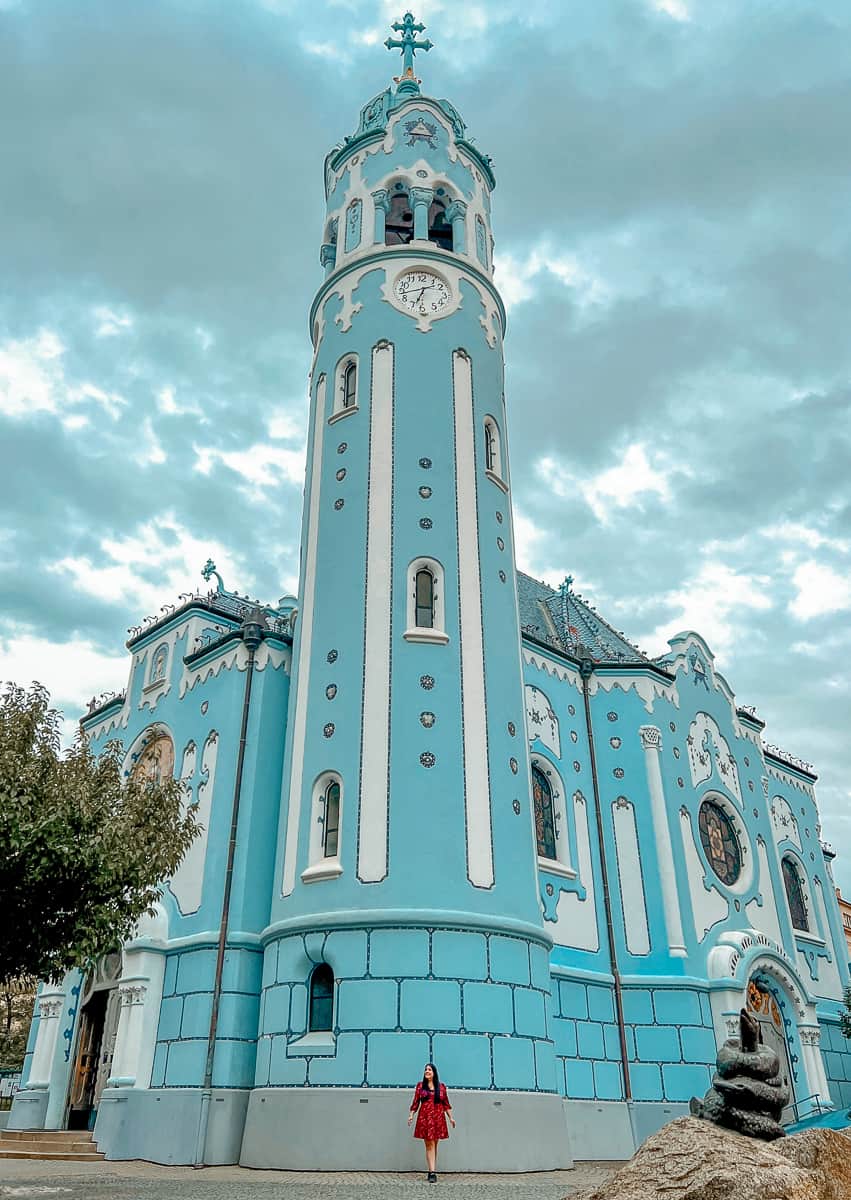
point(375, 728)
point(477, 795)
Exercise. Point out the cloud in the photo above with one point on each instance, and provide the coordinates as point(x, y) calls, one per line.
point(821, 590)
point(627, 484)
point(713, 602)
point(73, 671)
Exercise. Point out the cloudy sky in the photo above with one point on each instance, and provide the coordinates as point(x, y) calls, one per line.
point(674, 246)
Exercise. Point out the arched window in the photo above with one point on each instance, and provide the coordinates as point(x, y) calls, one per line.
point(399, 225)
point(545, 828)
point(719, 841)
point(321, 1001)
point(331, 820)
point(424, 599)
point(345, 394)
point(795, 895)
point(350, 385)
point(493, 453)
point(424, 602)
point(439, 229)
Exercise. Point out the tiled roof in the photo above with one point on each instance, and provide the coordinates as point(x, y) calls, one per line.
point(542, 616)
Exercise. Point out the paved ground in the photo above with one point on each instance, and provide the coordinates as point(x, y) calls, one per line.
point(31, 1180)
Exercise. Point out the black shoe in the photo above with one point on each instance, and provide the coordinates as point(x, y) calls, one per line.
point(432, 1177)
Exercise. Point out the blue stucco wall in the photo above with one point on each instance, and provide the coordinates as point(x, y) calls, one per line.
point(670, 1041)
point(473, 1002)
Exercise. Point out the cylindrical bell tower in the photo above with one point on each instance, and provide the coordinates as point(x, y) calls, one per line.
point(406, 923)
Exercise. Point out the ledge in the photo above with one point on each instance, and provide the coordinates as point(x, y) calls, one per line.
point(328, 868)
point(436, 636)
point(552, 867)
point(343, 412)
point(500, 483)
point(323, 1043)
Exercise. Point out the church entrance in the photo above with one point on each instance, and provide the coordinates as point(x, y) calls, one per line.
point(764, 1008)
point(95, 1043)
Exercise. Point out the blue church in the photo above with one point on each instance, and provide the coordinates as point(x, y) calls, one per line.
point(449, 813)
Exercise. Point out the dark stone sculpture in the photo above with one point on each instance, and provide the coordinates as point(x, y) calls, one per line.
point(747, 1093)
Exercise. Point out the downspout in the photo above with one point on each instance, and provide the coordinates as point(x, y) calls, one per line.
point(251, 632)
point(586, 670)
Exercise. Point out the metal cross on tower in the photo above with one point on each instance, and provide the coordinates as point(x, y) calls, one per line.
point(407, 43)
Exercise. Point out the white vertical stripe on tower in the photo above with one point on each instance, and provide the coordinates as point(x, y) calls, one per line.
point(476, 776)
point(375, 730)
point(306, 622)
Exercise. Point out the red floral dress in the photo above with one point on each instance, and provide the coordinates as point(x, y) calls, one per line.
point(431, 1119)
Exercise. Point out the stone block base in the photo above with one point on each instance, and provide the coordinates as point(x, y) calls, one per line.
point(364, 1129)
point(161, 1124)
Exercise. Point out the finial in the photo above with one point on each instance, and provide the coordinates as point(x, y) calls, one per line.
point(408, 44)
point(208, 569)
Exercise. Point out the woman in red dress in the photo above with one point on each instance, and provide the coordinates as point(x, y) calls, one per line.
point(434, 1107)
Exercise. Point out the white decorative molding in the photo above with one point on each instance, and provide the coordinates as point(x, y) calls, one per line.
point(541, 721)
point(477, 793)
point(651, 741)
point(576, 917)
point(647, 686)
point(708, 752)
point(630, 878)
point(651, 737)
point(187, 883)
point(534, 658)
point(373, 799)
point(235, 655)
point(304, 638)
point(790, 780)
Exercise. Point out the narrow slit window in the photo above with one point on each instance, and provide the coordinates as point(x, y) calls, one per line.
point(424, 599)
point(350, 385)
point(321, 1006)
point(490, 448)
point(331, 829)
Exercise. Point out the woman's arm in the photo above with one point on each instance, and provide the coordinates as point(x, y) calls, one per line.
point(445, 1098)
point(414, 1104)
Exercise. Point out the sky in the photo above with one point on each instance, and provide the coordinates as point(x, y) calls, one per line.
point(673, 242)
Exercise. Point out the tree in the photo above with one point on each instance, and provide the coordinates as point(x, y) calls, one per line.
point(845, 1015)
point(16, 1010)
point(83, 849)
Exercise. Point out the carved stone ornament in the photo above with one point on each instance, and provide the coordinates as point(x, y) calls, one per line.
point(132, 993)
point(651, 737)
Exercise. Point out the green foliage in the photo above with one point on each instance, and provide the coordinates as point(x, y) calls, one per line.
point(845, 1016)
point(82, 849)
point(16, 1009)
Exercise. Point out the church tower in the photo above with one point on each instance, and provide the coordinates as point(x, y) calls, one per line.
point(405, 922)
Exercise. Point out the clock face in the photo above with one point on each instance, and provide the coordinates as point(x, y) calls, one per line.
point(422, 292)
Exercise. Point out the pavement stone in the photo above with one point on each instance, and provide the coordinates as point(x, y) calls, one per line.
point(29, 1180)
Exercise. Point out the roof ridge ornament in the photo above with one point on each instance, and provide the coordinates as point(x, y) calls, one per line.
point(408, 44)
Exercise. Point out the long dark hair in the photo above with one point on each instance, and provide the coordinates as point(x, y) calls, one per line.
point(435, 1080)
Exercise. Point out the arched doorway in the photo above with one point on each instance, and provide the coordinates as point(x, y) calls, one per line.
point(99, 1010)
point(762, 1004)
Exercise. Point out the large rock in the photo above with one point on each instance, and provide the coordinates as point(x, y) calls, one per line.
point(691, 1159)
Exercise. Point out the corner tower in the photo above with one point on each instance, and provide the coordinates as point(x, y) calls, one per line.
point(406, 923)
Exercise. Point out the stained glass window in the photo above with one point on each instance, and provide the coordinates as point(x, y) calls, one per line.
point(321, 999)
point(542, 796)
point(795, 896)
point(156, 760)
point(719, 842)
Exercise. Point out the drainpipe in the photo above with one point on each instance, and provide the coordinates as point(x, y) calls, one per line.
point(251, 632)
point(586, 670)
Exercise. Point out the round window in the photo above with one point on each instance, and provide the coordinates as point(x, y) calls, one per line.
point(719, 841)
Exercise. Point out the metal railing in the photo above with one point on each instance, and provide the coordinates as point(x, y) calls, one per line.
point(792, 1112)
